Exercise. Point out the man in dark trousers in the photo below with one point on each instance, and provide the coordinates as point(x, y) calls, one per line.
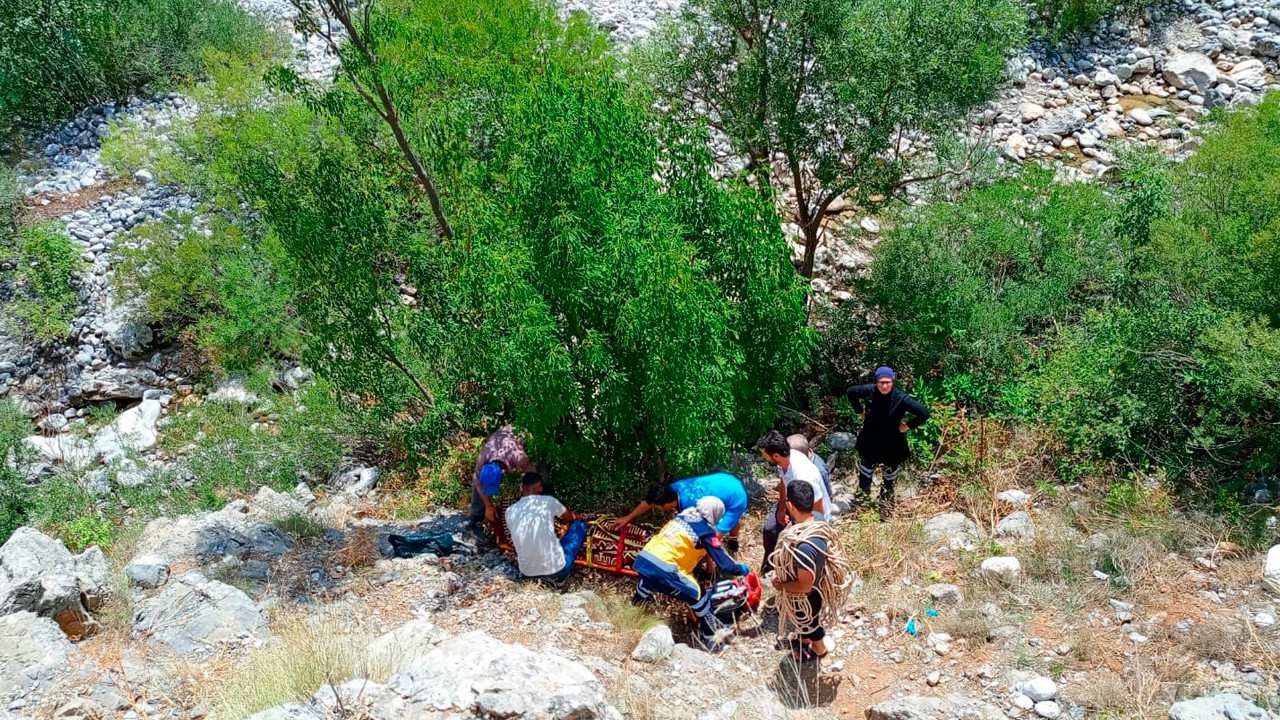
point(883, 438)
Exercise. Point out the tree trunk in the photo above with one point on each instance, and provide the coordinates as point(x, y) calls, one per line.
point(812, 233)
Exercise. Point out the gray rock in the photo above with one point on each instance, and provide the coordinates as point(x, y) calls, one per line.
point(1017, 525)
point(238, 530)
point(403, 646)
point(944, 594)
point(196, 615)
point(232, 392)
point(125, 333)
point(917, 707)
point(1271, 570)
point(111, 383)
point(1015, 497)
point(954, 530)
point(1249, 73)
point(1048, 709)
point(32, 649)
point(475, 676)
point(38, 574)
point(841, 441)
point(655, 645)
point(1227, 706)
point(1004, 567)
point(149, 571)
point(79, 709)
point(1191, 71)
point(134, 429)
point(1039, 689)
point(144, 176)
point(67, 449)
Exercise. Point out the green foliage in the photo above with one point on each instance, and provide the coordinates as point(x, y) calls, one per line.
point(132, 145)
point(14, 454)
point(236, 452)
point(1136, 321)
point(833, 86)
point(62, 55)
point(1062, 18)
point(1221, 242)
point(81, 532)
point(962, 291)
point(217, 283)
point(45, 259)
point(300, 526)
point(10, 203)
point(602, 291)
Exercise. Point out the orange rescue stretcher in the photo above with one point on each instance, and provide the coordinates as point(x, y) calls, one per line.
point(604, 549)
point(613, 551)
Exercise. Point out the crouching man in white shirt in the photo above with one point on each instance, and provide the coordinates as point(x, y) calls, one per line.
point(531, 525)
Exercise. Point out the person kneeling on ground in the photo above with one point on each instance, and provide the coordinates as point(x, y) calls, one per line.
point(667, 562)
point(811, 575)
point(684, 494)
point(540, 555)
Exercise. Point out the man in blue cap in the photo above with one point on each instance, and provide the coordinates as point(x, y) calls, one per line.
point(883, 438)
point(502, 452)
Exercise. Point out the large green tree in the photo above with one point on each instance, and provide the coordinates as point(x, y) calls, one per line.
point(838, 94)
point(597, 287)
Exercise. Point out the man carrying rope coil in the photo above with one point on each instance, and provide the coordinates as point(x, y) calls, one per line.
point(810, 574)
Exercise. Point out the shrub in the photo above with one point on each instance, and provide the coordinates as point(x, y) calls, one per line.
point(305, 656)
point(62, 55)
point(216, 283)
point(44, 303)
point(15, 494)
point(965, 289)
point(601, 289)
point(10, 203)
point(1062, 18)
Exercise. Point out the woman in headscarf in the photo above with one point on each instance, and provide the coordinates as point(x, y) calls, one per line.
point(666, 563)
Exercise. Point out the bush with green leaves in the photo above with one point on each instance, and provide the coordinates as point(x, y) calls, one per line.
point(44, 261)
point(213, 284)
point(1136, 320)
point(1059, 19)
point(966, 289)
point(62, 55)
point(597, 288)
point(14, 455)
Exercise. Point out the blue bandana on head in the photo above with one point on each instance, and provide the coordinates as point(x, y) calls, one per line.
point(491, 478)
point(884, 371)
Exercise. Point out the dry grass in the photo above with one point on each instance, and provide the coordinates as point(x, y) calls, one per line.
point(889, 549)
point(629, 622)
point(966, 621)
point(306, 655)
point(1145, 688)
point(360, 549)
point(116, 614)
point(634, 700)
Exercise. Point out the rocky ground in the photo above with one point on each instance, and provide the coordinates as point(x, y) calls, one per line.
point(1009, 612)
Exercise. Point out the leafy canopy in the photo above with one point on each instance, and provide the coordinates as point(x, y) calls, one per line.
point(601, 289)
point(837, 92)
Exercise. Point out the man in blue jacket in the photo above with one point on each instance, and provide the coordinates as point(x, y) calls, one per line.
point(883, 438)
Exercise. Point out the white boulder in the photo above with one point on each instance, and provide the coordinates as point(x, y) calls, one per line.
point(1191, 71)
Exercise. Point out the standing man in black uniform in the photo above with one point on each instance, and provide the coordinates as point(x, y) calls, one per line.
point(883, 438)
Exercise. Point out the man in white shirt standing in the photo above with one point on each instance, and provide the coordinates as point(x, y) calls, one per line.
point(792, 465)
point(541, 555)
